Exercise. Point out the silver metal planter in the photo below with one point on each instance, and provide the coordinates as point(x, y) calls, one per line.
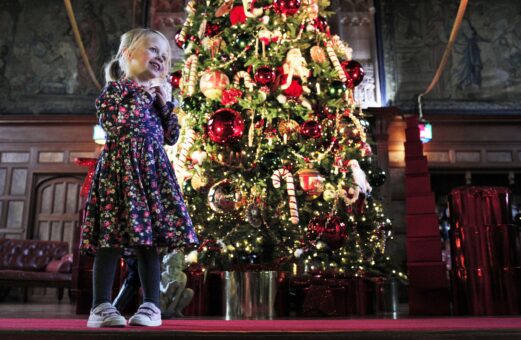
point(249, 295)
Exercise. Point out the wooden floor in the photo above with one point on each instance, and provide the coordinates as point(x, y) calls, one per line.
point(42, 303)
point(36, 310)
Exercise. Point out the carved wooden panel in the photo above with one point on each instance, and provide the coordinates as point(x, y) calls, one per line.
point(57, 206)
point(13, 186)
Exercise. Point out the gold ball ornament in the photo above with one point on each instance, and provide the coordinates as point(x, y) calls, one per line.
point(311, 9)
point(329, 193)
point(288, 127)
point(213, 83)
point(318, 54)
point(199, 181)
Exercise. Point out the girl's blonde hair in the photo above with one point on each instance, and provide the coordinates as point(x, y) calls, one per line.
point(117, 68)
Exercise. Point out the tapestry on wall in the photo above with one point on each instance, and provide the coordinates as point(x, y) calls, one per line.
point(483, 73)
point(41, 71)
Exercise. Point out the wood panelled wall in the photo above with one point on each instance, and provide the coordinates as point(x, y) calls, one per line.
point(39, 181)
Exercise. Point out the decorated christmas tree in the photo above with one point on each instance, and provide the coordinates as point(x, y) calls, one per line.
point(274, 157)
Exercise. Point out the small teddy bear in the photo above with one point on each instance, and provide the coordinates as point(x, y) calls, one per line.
point(174, 296)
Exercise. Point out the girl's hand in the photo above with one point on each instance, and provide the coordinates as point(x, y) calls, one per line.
point(159, 94)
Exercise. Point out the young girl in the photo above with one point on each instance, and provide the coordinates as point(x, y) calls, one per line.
point(134, 201)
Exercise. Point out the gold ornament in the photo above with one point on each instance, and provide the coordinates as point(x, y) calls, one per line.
point(318, 54)
point(199, 181)
point(329, 193)
point(288, 127)
point(213, 44)
point(310, 8)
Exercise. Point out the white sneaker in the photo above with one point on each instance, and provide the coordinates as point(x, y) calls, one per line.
point(105, 315)
point(147, 315)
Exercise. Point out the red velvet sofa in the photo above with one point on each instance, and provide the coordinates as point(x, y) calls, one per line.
point(35, 263)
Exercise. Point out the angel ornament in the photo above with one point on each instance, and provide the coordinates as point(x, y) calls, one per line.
point(174, 297)
point(294, 77)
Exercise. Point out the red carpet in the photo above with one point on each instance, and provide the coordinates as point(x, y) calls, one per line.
point(213, 326)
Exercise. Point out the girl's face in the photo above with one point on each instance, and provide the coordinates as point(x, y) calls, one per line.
point(149, 60)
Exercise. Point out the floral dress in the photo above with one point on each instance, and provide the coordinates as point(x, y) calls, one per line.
point(134, 198)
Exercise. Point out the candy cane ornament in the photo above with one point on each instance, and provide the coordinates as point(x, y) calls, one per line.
point(246, 77)
point(190, 10)
point(336, 63)
point(183, 154)
point(284, 174)
point(337, 42)
point(190, 73)
point(202, 29)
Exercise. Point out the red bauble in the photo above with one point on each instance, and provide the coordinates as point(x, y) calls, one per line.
point(179, 40)
point(287, 7)
point(175, 79)
point(354, 72)
point(324, 112)
point(264, 75)
point(225, 126)
point(230, 96)
point(311, 129)
point(211, 29)
point(321, 24)
point(329, 229)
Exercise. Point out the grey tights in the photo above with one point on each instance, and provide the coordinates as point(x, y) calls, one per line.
point(105, 265)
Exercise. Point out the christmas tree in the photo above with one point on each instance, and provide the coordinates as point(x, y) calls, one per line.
point(274, 157)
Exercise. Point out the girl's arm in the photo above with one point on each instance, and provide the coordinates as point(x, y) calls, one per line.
point(112, 115)
point(170, 123)
point(167, 115)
